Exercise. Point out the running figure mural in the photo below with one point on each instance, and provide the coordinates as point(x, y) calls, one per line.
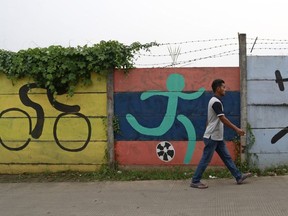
point(175, 84)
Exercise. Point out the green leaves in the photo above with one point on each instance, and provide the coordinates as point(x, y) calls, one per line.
point(58, 68)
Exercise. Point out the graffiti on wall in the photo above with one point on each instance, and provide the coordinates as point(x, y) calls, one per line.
point(266, 109)
point(36, 131)
point(162, 114)
point(175, 84)
point(280, 81)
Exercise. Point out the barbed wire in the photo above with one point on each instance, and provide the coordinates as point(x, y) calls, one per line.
point(286, 40)
point(269, 44)
point(227, 53)
point(271, 48)
point(166, 64)
point(197, 41)
point(191, 51)
point(266, 43)
point(223, 47)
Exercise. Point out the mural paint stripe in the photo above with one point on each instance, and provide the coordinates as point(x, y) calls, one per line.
point(75, 128)
point(49, 152)
point(7, 86)
point(176, 132)
point(146, 79)
point(143, 153)
point(33, 168)
point(132, 103)
point(149, 115)
point(91, 104)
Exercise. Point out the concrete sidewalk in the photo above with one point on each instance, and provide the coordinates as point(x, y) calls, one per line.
point(258, 196)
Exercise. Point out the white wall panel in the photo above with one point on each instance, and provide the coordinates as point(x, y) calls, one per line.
point(268, 116)
point(267, 110)
point(263, 67)
point(269, 160)
point(263, 143)
point(266, 92)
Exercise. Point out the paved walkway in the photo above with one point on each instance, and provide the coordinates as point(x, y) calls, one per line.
point(259, 196)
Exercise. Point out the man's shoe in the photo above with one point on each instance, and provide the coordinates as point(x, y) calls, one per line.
point(243, 177)
point(198, 185)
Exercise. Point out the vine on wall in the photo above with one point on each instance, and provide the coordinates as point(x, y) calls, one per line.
point(60, 69)
point(251, 159)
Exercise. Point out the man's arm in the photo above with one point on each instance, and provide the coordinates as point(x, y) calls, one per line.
point(228, 123)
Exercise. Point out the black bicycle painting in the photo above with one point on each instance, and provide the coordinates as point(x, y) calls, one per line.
point(36, 131)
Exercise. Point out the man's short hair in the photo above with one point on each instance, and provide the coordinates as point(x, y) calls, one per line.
point(217, 83)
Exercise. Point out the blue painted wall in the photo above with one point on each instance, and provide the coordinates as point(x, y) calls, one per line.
point(150, 114)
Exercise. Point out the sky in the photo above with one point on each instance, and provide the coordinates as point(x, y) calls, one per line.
point(40, 23)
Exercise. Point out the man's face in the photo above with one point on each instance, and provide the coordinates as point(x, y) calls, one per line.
point(222, 89)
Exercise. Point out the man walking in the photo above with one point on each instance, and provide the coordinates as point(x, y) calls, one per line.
point(213, 138)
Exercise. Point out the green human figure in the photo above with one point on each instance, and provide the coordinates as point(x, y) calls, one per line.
point(175, 84)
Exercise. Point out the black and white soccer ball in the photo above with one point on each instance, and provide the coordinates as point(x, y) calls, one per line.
point(165, 151)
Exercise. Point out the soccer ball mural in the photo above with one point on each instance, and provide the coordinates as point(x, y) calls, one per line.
point(165, 151)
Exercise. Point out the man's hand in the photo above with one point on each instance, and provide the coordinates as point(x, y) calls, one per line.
point(226, 122)
point(240, 132)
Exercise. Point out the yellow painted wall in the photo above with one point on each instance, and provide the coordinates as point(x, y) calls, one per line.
point(43, 154)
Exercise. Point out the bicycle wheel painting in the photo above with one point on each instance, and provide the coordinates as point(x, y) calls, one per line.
point(18, 139)
point(74, 140)
point(165, 151)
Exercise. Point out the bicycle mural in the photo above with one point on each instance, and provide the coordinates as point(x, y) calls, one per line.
point(162, 114)
point(36, 132)
point(42, 131)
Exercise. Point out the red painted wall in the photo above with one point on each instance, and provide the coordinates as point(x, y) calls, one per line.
point(141, 153)
point(144, 79)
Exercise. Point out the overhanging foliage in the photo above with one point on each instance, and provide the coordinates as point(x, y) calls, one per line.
point(60, 69)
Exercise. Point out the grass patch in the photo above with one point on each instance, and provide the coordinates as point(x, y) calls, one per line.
point(107, 174)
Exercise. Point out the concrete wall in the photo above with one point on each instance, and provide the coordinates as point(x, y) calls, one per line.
point(41, 136)
point(59, 140)
point(162, 121)
point(161, 115)
point(267, 109)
